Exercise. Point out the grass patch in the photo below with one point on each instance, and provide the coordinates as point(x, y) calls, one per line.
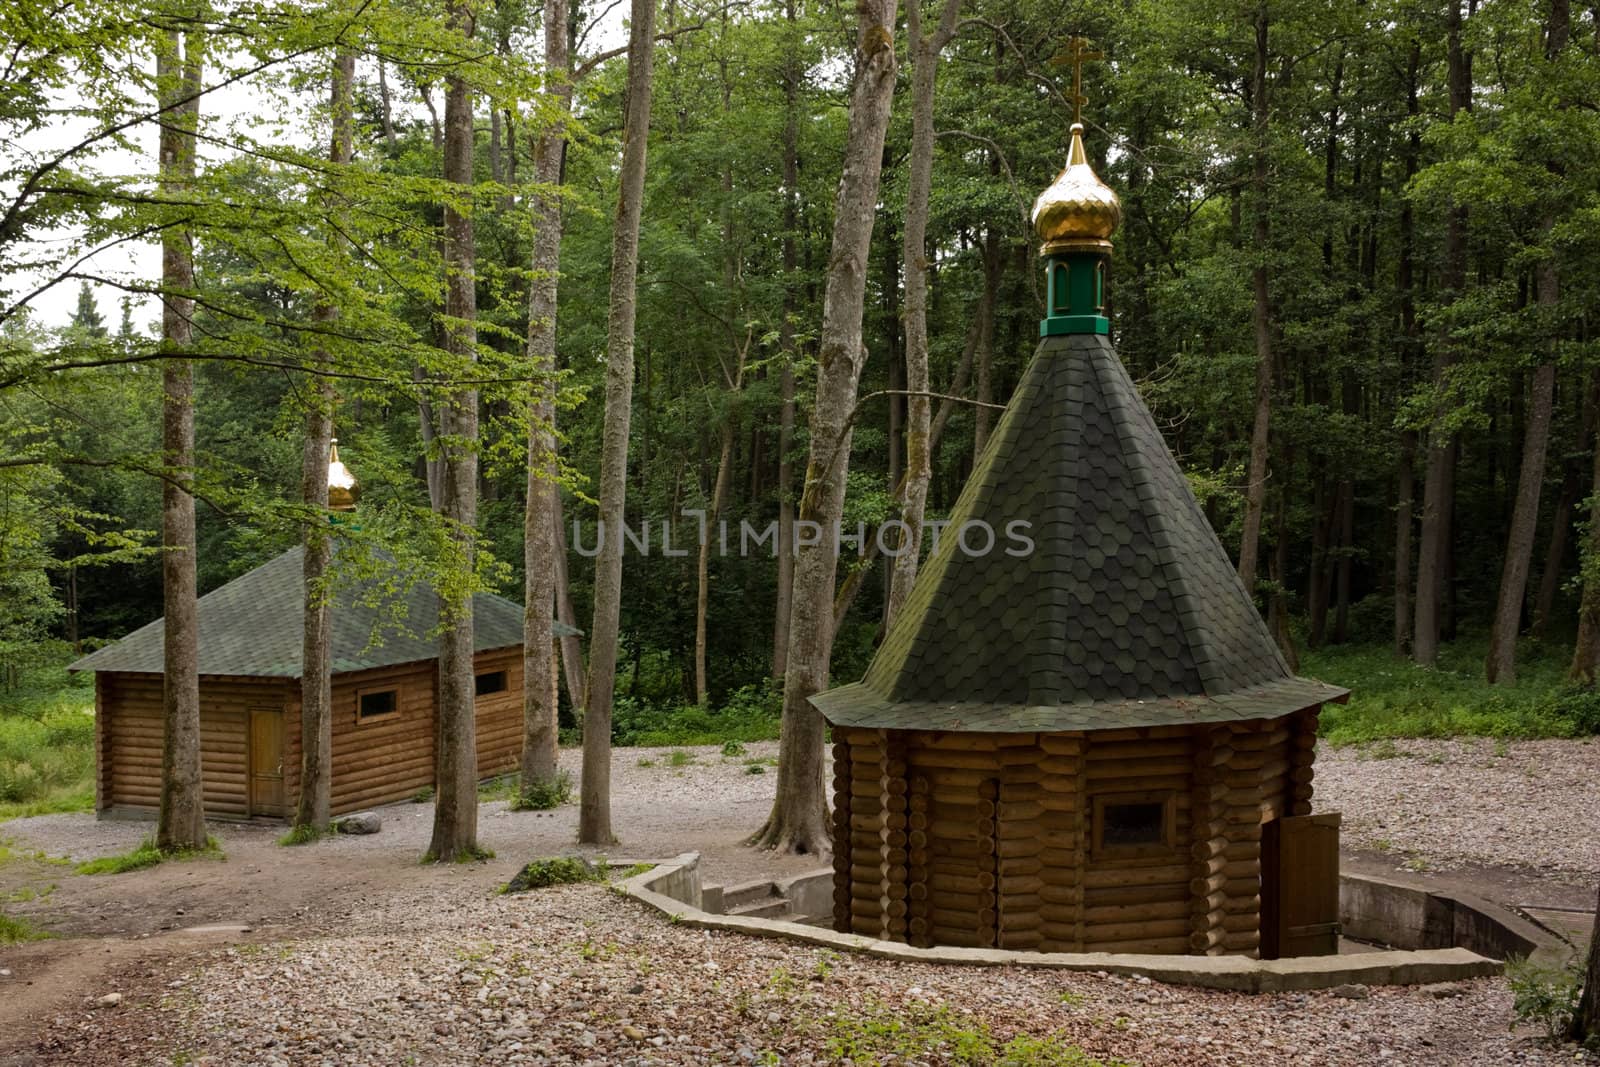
point(556, 870)
point(679, 758)
point(304, 834)
point(877, 1034)
point(1393, 698)
point(47, 751)
point(544, 796)
point(13, 930)
point(147, 855)
point(423, 795)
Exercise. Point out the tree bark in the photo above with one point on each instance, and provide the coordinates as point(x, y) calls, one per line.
point(455, 814)
point(719, 500)
point(1585, 667)
point(1586, 1020)
point(594, 815)
point(541, 522)
point(1344, 572)
point(1555, 551)
point(1405, 487)
point(571, 645)
point(313, 806)
point(1256, 478)
point(993, 264)
point(181, 822)
point(798, 822)
point(1438, 493)
point(1501, 665)
point(925, 51)
point(786, 343)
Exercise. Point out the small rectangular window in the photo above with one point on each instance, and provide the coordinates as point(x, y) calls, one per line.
point(489, 682)
point(1133, 824)
point(376, 703)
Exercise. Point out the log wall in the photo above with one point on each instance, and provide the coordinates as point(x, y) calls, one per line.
point(375, 761)
point(987, 839)
point(131, 726)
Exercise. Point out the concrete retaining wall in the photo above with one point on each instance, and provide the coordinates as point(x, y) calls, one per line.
point(673, 888)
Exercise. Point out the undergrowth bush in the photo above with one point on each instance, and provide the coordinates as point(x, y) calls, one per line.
point(47, 755)
point(1545, 995)
point(1393, 697)
point(749, 714)
point(544, 796)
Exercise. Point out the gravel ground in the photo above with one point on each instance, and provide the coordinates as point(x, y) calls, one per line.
point(1438, 805)
point(577, 975)
point(359, 956)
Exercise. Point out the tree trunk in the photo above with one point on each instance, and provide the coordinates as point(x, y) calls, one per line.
point(1405, 493)
point(719, 500)
point(182, 820)
point(798, 822)
point(1586, 1020)
point(1555, 551)
point(1256, 479)
point(993, 264)
point(312, 810)
point(571, 645)
point(1585, 668)
point(386, 106)
point(1438, 493)
point(541, 522)
point(594, 816)
point(786, 343)
point(455, 813)
point(924, 73)
point(1405, 488)
point(1346, 562)
point(1501, 666)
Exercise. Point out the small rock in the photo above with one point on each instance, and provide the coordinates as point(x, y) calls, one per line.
point(358, 822)
point(110, 1000)
point(636, 988)
point(1350, 991)
point(633, 1033)
point(1441, 990)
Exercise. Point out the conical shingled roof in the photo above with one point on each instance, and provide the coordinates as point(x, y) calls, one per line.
point(1127, 612)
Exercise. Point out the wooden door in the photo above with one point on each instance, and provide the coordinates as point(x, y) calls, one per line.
point(1300, 886)
point(266, 761)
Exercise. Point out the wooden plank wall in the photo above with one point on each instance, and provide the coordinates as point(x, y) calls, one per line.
point(132, 728)
point(500, 715)
point(376, 761)
point(985, 839)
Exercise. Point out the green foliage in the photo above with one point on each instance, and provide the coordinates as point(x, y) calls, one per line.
point(556, 870)
point(1546, 995)
point(750, 714)
point(303, 834)
point(1393, 698)
point(878, 1033)
point(147, 855)
point(545, 796)
point(13, 930)
point(423, 795)
point(46, 752)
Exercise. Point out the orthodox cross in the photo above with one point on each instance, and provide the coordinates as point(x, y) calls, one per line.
point(1077, 53)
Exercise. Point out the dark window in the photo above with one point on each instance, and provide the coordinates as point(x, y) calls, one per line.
point(376, 702)
point(489, 682)
point(1133, 824)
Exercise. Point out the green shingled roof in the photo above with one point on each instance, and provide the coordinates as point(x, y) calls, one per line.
point(254, 626)
point(1127, 612)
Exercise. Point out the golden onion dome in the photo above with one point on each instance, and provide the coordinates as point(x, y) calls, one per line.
point(1078, 211)
point(342, 488)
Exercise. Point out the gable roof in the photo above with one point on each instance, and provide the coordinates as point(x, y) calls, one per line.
point(254, 626)
point(1127, 612)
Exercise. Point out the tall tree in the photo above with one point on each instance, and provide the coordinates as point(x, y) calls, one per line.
point(1501, 665)
point(1255, 493)
point(455, 814)
point(1586, 1019)
point(1438, 489)
point(594, 810)
point(541, 521)
point(181, 823)
point(925, 50)
point(793, 71)
point(798, 822)
point(316, 665)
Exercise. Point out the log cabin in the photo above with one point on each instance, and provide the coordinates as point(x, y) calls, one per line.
point(1093, 744)
point(384, 698)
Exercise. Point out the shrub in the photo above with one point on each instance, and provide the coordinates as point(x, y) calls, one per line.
point(555, 870)
point(1547, 996)
point(543, 796)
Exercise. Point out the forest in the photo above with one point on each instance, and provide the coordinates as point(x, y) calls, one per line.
point(538, 267)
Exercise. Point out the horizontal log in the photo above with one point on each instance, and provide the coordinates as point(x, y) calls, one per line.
point(1204, 903)
point(1062, 744)
point(1205, 850)
point(1102, 877)
point(940, 882)
point(1021, 940)
point(1140, 733)
point(1133, 894)
point(1065, 895)
point(1206, 940)
point(1169, 750)
point(1302, 775)
point(1103, 770)
point(1204, 887)
point(1019, 922)
point(1151, 911)
point(1097, 933)
point(1241, 921)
